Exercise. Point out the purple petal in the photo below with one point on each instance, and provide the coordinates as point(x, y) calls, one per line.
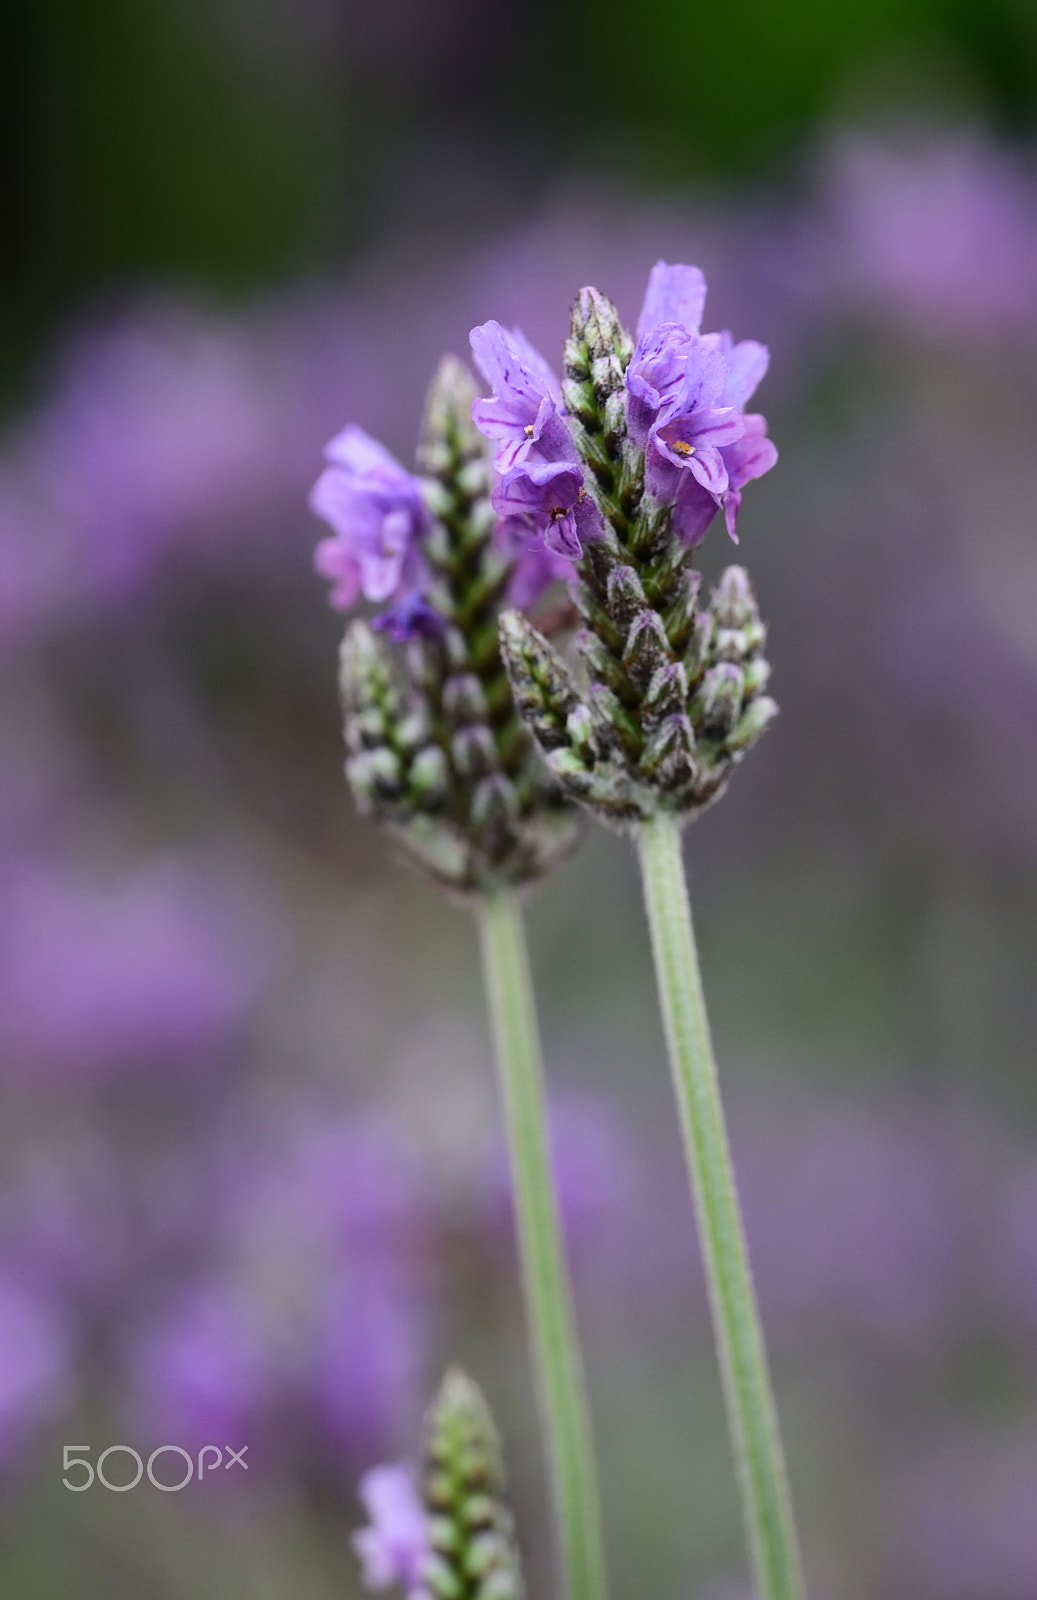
point(705, 379)
point(723, 425)
point(693, 511)
point(748, 363)
point(561, 538)
point(536, 365)
point(332, 560)
point(395, 1548)
point(752, 455)
point(707, 466)
point(675, 294)
point(510, 364)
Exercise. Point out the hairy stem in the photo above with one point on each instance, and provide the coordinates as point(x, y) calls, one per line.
point(548, 1301)
point(750, 1405)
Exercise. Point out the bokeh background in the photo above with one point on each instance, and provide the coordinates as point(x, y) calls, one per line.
point(252, 1182)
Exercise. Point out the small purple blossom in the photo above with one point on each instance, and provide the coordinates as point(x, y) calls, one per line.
point(685, 397)
point(692, 428)
point(524, 416)
point(655, 376)
point(549, 497)
point(378, 516)
point(410, 618)
point(396, 1547)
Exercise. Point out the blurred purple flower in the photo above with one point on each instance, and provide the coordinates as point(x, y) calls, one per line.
point(397, 1545)
point(410, 618)
point(372, 1338)
point(207, 1372)
point(378, 516)
point(162, 965)
point(169, 428)
point(35, 1377)
point(1013, 1252)
point(328, 1227)
point(941, 232)
point(535, 566)
point(856, 1220)
point(963, 1525)
point(686, 394)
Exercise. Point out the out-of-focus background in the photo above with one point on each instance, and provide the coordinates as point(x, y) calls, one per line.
point(252, 1183)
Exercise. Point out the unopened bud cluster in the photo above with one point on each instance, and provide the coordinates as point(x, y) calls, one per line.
point(471, 1532)
point(674, 696)
point(435, 748)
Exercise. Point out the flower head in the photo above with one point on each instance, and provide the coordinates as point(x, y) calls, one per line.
point(674, 695)
point(378, 516)
point(434, 751)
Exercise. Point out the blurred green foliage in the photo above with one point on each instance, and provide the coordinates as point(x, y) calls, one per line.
point(236, 143)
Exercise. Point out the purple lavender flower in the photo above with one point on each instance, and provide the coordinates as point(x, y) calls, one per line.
point(524, 415)
point(549, 498)
point(686, 395)
point(692, 427)
point(396, 1547)
point(378, 516)
point(655, 376)
point(542, 489)
point(749, 457)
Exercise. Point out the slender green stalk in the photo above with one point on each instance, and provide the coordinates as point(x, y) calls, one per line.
point(750, 1405)
point(548, 1302)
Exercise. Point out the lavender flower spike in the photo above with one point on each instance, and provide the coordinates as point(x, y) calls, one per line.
point(397, 1546)
point(452, 1538)
point(376, 511)
point(671, 698)
point(436, 752)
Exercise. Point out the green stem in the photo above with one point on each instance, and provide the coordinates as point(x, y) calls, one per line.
point(548, 1302)
point(750, 1405)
